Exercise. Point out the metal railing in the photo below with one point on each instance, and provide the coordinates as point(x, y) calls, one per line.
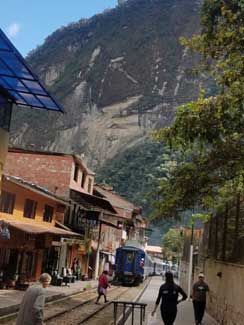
point(129, 307)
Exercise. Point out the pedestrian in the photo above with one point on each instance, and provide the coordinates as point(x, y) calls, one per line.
point(169, 294)
point(32, 305)
point(199, 294)
point(103, 284)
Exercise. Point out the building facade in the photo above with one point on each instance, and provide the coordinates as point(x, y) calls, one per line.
point(30, 242)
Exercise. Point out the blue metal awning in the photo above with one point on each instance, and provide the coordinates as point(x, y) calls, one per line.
point(19, 83)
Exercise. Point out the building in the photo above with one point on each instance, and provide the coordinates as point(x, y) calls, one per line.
point(132, 224)
point(31, 241)
point(59, 173)
point(68, 176)
point(155, 251)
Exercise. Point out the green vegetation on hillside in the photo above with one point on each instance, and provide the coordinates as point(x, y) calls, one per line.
point(210, 129)
point(136, 175)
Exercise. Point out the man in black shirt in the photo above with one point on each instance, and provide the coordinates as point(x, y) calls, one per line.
point(199, 293)
point(169, 293)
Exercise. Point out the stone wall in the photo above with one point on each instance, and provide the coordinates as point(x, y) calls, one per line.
point(226, 297)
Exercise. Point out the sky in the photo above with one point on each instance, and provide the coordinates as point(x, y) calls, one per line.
point(28, 22)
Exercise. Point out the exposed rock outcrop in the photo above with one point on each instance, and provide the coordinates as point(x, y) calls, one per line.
point(118, 75)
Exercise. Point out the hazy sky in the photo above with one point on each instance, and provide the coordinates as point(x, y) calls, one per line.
point(28, 22)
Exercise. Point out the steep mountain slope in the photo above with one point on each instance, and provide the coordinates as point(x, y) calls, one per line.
point(118, 75)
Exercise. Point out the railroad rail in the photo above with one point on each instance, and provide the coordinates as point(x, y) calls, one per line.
point(85, 311)
point(81, 308)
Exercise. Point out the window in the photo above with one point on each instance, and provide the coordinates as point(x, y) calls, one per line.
point(48, 213)
point(7, 201)
point(83, 179)
point(76, 172)
point(90, 186)
point(30, 209)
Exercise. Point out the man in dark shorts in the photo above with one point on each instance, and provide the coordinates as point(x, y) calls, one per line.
point(199, 294)
point(169, 293)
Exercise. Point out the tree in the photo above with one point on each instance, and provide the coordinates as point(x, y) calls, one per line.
point(209, 132)
point(172, 244)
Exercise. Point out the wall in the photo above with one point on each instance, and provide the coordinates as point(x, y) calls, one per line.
point(226, 292)
point(4, 135)
point(76, 184)
point(54, 172)
point(22, 194)
point(50, 171)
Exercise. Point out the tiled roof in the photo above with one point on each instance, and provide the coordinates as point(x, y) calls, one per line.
point(115, 199)
point(36, 188)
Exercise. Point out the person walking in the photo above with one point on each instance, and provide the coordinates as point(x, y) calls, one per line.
point(103, 284)
point(199, 295)
point(169, 294)
point(32, 305)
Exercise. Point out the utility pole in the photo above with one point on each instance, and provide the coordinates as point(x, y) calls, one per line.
point(98, 250)
point(190, 263)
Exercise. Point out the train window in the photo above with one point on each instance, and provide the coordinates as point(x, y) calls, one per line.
point(130, 257)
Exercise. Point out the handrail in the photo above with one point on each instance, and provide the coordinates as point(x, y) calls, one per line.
point(130, 306)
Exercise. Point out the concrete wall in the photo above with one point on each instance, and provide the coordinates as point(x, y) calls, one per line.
point(226, 297)
point(227, 292)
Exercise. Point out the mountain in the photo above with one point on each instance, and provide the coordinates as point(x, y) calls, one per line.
point(118, 74)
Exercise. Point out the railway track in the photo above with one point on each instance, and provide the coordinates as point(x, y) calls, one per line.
point(80, 313)
point(81, 308)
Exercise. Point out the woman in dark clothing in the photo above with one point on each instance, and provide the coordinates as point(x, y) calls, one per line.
point(169, 293)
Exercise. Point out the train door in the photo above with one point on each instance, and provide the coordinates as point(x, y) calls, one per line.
point(129, 262)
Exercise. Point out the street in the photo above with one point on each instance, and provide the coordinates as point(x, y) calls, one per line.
point(185, 310)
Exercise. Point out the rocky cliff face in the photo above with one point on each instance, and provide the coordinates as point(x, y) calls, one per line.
point(118, 75)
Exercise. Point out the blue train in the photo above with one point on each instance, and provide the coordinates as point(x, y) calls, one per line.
point(133, 265)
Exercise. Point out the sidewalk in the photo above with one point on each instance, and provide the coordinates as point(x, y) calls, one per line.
point(10, 299)
point(186, 316)
point(185, 310)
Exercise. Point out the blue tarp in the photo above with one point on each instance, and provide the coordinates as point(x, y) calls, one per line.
point(18, 82)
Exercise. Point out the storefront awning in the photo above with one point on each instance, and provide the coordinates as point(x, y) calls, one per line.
point(92, 202)
point(40, 229)
point(18, 82)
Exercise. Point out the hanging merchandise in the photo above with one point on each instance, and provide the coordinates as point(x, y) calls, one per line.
point(88, 251)
point(4, 231)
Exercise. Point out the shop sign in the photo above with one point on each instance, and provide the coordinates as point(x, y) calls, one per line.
point(70, 241)
point(4, 231)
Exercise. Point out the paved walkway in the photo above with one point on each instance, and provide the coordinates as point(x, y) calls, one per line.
point(10, 299)
point(185, 309)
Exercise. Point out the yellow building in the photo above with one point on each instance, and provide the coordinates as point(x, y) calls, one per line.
point(30, 239)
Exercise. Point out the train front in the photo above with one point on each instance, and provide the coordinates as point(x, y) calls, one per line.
point(129, 265)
